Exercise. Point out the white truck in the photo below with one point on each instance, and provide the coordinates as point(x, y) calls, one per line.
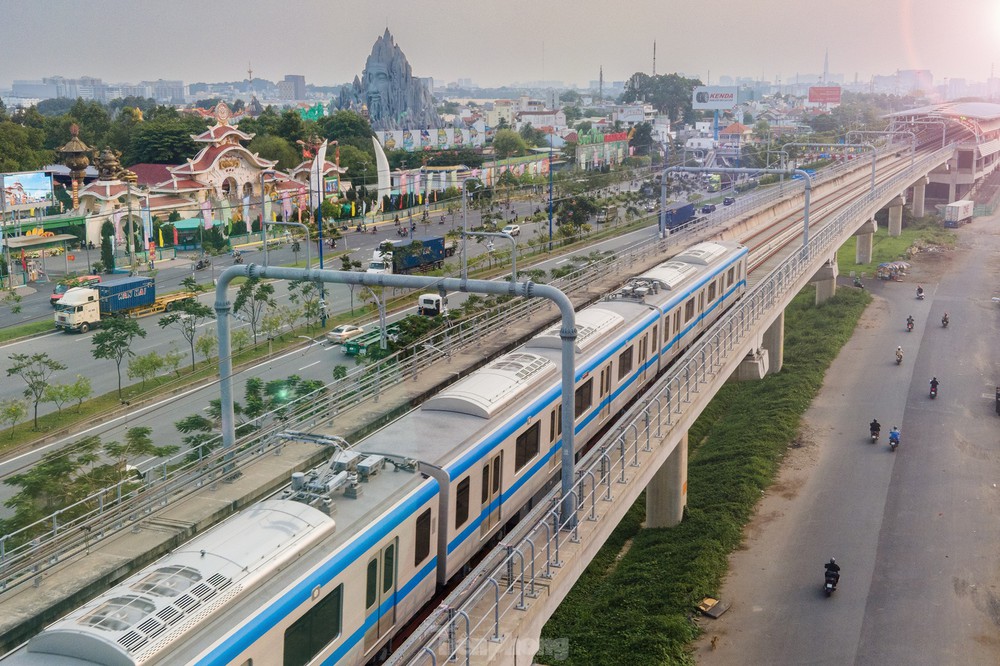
point(432, 305)
point(958, 213)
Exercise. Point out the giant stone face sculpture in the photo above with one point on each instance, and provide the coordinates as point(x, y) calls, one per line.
point(393, 98)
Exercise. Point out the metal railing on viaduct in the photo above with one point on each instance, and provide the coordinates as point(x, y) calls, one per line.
point(496, 614)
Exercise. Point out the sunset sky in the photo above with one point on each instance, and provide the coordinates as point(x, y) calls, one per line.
point(495, 43)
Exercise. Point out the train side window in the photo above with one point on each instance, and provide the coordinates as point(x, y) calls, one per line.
point(584, 398)
point(248, 662)
point(525, 448)
point(388, 568)
point(689, 310)
point(677, 321)
point(422, 547)
point(711, 291)
point(729, 276)
point(315, 630)
point(486, 484)
point(666, 329)
point(655, 336)
point(624, 363)
point(371, 583)
point(555, 423)
point(462, 502)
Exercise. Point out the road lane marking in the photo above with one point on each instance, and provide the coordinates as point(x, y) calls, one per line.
point(309, 366)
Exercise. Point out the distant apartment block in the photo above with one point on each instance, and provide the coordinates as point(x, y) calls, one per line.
point(90, 88)
point(293, 86)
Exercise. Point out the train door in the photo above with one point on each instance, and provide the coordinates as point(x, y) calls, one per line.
point(492, 471)
point(380, 593)
point(604, 399)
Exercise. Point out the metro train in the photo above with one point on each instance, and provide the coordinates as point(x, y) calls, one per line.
point(329, 571)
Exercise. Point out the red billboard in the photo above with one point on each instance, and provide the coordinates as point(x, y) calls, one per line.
point(824, 94)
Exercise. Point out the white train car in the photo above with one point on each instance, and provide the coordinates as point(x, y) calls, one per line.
point(405, 509)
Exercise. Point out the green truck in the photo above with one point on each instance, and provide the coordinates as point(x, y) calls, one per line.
point(360, 345)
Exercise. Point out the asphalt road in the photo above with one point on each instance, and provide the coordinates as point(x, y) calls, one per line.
point(315, 360)
point(913, 530)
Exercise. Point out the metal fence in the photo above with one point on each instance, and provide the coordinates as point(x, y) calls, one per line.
point(467, 626)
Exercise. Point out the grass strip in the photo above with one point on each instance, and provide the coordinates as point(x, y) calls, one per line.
point(634, 604)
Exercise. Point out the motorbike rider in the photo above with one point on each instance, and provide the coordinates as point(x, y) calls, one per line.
point(833, 570)
point(894, 435)
point(875, 427)
point(920, 292)
point(909, 321)
point(899, 354)
point(944, 319)
point(934, 384)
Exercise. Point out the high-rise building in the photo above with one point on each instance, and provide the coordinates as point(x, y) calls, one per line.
point(292, 87)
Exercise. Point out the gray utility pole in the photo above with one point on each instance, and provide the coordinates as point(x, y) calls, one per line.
point(891, 135)
point(663, 191)
point(527, 289)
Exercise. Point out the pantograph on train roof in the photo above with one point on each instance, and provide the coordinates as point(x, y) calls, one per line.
point(490, 389)
point(592, 324)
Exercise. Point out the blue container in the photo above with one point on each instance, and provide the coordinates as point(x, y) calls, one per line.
point(126, 294)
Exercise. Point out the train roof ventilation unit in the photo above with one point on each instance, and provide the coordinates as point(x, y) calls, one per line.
point(702, 254)
point(592, 326)
point(490, 389)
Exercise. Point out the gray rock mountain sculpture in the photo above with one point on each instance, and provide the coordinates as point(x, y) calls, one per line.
point(388, 92)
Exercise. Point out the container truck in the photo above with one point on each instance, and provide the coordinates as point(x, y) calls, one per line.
point(421, 253)
point(83, 308)
point(958, 213)
point(678, 214)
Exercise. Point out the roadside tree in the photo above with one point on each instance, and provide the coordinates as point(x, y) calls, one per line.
point(12, 412)
point(35, 370)
point(114, 342)
point(251, 300)
point(186, 319)
point(145, 367)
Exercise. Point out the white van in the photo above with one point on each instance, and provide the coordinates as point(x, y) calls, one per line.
point(432, 305)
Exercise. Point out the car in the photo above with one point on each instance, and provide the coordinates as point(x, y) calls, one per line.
point(707, 208)
point(728, 201)
point(343, 333)
point(511, 230)
point(650, 206)
point(66, 285)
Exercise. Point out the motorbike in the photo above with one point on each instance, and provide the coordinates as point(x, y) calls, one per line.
point(944, 321)
point(909, 326)
point(830, 581)
point(933, 391)
point(899, 357)
point(874, 436)
point(202, 264)
point(893, 441)
point(858, 284)
point(238, 259)
point(401, 232)
point(920, 294)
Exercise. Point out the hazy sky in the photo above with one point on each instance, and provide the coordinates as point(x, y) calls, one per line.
point(494, 42)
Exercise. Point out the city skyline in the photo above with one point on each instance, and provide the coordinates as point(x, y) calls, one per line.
point(494, 44)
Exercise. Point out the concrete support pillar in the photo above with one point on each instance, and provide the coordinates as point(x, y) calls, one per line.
point(863, 242)
point(919, 190)
point(952, 180)
point(826, 280)
point(896, 216)
point(666, 494)
point(774, 343)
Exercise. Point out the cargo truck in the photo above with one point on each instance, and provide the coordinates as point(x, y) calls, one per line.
point(958, 213)
point(421, 253)
point(678, 214)
point(364, 345)
point(607, 214)
point(83, 308)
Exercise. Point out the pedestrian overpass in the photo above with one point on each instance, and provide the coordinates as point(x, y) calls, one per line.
point(495, 616)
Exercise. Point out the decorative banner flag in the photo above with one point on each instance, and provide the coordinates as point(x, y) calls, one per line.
point(206, 214)
point(246, 211)
point(161, 236)
point(267, 209)
point(176, 239)
point(352, 209)
point(286, 206)
point(116, 220)
point(316, 173)
point(147, 224)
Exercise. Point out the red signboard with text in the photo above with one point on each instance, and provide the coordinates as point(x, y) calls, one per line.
point(824, 94)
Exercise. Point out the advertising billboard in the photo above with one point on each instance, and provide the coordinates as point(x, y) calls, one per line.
point(24, 191)
point(824, 94)
point(714, 98)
